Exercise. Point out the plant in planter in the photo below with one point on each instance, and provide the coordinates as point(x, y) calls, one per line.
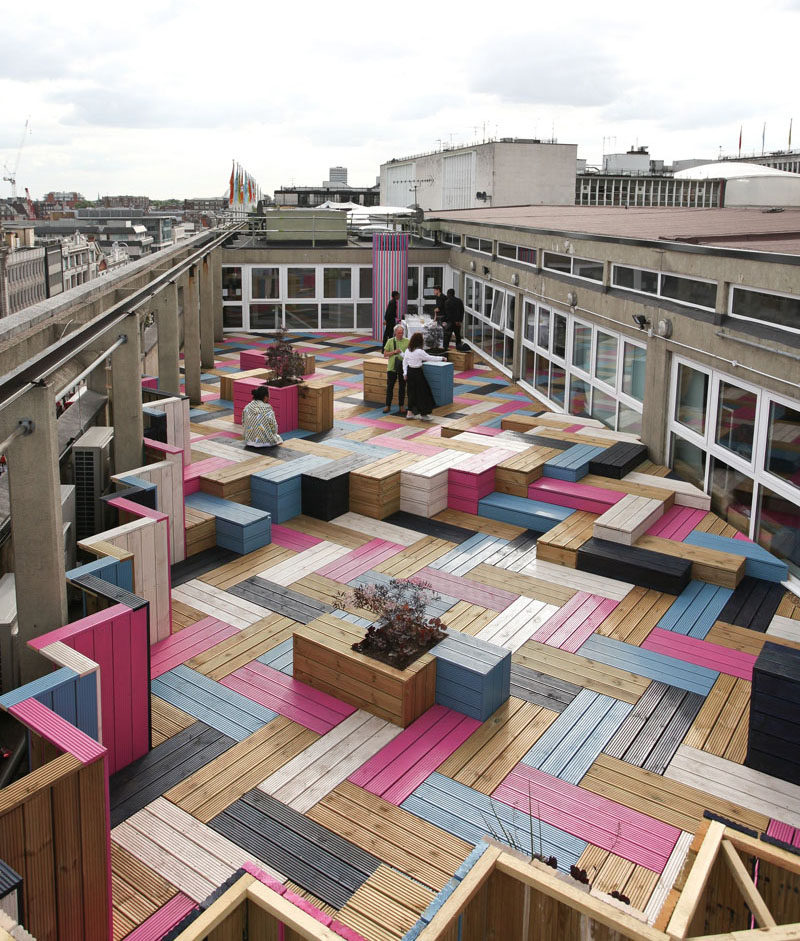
point(286, 362)
point(402, 631)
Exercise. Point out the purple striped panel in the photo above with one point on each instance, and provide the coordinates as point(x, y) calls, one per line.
point(162, 921)
point(180, 647)
point(389, 273)
point(634, 836)
point(701, 652)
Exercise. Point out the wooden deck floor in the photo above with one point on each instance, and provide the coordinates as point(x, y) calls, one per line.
point(588, 712)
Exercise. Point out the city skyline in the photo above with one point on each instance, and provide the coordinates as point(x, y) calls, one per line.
point(160, 103)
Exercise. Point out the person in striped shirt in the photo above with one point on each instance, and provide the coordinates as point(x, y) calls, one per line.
point(259, 427)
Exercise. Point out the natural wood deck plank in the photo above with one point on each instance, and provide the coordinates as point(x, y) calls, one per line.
point(716, 727)
point(636, 615)
point(242, 648)
point(166, 720)
point(711, 523)
point(327, 531)
point(521, 584)
point(386, 906)
point(468, 618)
point(421, 553)
point(184, 615)
point(137, 891)
point(247, 565)
point(480, 523)
point(561, 543)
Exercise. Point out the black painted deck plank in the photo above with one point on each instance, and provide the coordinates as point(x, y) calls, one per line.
point(431, 527)
point(196, 565)
point(626, 734)
point(753, 604)
point(280, 599)
point(655, 726)
point(618, 460)
point(648, 569)
point(541, 689)
point(674, 734)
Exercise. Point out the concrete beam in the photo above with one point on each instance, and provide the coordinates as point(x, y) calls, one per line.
point(126, 392)
point(655, 412)
point(206, 314)
point(215, 262)
point(165, 306)
point(191, 336)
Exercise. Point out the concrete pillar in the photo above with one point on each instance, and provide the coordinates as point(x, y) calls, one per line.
point(191, 336)
point(166, 311)
point(97, 381)
point(655, 417)
point(37, 526)
point(206, 314)
point(215, 265)
point(126, 393)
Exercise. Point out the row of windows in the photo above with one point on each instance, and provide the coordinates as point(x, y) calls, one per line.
point(24, 271)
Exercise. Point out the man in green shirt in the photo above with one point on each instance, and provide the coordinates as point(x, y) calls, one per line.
point(394, 349)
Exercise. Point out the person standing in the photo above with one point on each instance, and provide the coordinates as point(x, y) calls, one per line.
point(420, 397)
point(390, 317)
point(259, 427)
point(454, 315)
point(394, 350)
point(439, 314)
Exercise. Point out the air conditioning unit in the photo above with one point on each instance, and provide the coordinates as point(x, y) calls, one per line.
point(9, 664)
point(91, 458)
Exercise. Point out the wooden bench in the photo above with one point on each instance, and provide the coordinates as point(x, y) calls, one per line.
point(233, 482)
point(576, 496)
point(640, 566)
point(226, 380)
point(516, 474)
point(440, 380)
point(758, 562)
point(239, 528)
point(532, 514)
point(685, 494)
point(473, 479)
point(628, 519)
point(628, 486)
point(423, 486)
point(252, 359)
point(572, 464)
point(315, 405)
point(375, 488)
point(618, 460)
point(194, 471)
point(462, 361)
point(374, 376)
point(708, 565)
point(278, 489)
point(774, 741)
point(561, 543)
point(473, 676)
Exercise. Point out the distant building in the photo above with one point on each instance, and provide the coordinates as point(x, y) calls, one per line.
point(209, 204)
point(81, 260)
point(22, 269)
point(309, 197)
point(337, 175)
point(507, 172)
point(135, 238)
point(633, 161)
point(142, 203)
point(57, 202)
point(158, 225)
point(788, 160)
point(606, 189)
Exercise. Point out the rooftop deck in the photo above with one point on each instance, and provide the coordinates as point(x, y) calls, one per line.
point(628, 718)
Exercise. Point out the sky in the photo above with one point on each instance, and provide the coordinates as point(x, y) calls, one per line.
point(157, 98)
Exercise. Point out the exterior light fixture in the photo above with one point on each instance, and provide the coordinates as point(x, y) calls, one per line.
point(640, 320)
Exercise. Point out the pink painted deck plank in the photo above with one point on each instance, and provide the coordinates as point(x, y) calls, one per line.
point(676, 523)
point(263, 876)
point(106, 616)
point(402, 765)
point(495, 599)
point(360, 560)
point(471, 373)
point(403, 444)
point(291, 539)
point(373, 422)
point(572, 495)
point(162, 921)
point(507, 407)
point(289, 697)
point(575, 622)
point(701, 652)
point(634, 836)
point(486, 431)
point(784, 831)
point(180, 647)
point(38, 718)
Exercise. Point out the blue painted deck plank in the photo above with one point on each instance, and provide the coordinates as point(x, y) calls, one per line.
point(280, 657)
point(352, 618)
point(226, 509)
point(471, 547)
point(65, 700)
point(656, 666)
point(587, 753)
point(223, 709)
point(695, 610)
point(32, 690)
point(289, 469)
point(521, 511)
point(471, 815)
point(87, 705)
point(759, 564)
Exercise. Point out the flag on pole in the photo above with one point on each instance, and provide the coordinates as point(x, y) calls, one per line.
point(740, 140)
point(790, 133)
point(230, 197)
point(763, 135)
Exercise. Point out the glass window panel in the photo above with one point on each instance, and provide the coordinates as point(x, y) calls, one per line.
point(530, 321)
point(337, 316)
point(301, 283)
point(302, 317)
point(559, 336)
point(542, 375)
point(488, 293)
point(634, 362)
point(731, 494)
point(365, 282)
point(586, 268)
point(582, 347)
point(471, 242)
point(783, 443)
point(264, 283)
point(231, 315)
point(736, 419)
point(635, 279)
point(508, 357)
point(363, 316)
point(629, 420)
point(689, 461)
point(413, 283)
point(337, 282)
point(556, 262)
point(511, 307)
point(579, 394)
point(265, 316)
point(498, 346)
point(604, 407)
point(782, 312)
point(528, 365)
point(692, 398)
point(689, 291)
point(504, 250)
point(606, 363)
point(469, 293)
point(543, 333)
point(558, 380)
point(779, 527)
point(497, 308)
point(231, 284)
point(432, 277)
point(526, 255)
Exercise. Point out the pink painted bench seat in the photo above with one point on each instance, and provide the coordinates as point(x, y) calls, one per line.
point(288, 697)
point(46, 723)
point(180, 647)
point(292, 539)
point(402, 765)
point(575, 496)
point(676, 523)
point(164, 920)
point(575, 622)
point(785, 832)
point(495, 599)
point(355, 563)
point(193, 472)
point(701, 652)
point(628, 833)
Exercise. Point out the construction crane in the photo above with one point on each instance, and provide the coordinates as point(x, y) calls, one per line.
point(11, 176)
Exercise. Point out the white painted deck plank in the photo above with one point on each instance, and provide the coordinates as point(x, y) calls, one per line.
point(785, 628)
point(304, 563)
point(579, 581)
point(377, 529)
point(238, 612)
point(686, 494)
point(668, 876)
point(518, 623)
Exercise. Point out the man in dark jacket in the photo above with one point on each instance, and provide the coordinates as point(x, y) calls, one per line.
point(438, 300)
point(454, 315)
point(390, 317)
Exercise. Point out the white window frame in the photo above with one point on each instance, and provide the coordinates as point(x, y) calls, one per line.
point(479, 251)
point(660, 275)
point(572, 260)
point(768, 323)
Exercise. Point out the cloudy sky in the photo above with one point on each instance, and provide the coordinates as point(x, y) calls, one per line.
point(156, 98)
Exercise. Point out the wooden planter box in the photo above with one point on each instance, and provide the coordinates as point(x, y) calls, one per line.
point(323, 658)
point(284, 401)
point(227, 380)
point(309, 364)
point(461, 361)
point(375, 381)
point(315, 405)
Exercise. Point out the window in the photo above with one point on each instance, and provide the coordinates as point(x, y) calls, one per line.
point(543, 337)
point(731, 494)
point(526, 255)
point(782, 311)
point(582, 347)
point(689, 461)
point(504, 250)
point(554, 262)
point(265, 316)
point(779, 526)
point(692, 398)
point(264, 282)
point(634, 361)
point(606, 358)
point(301, 282)
point(693, 291)
point(365, 282)
point(337, 282)
point(337, 316)
point(450, 238)
point(559, 335)
point(579, 397)
point(231, 284)
point(736, 420)
point(232, 316)
point(578, 267)
point(635, 279)
point(530, 321)
point(782, 456)
point(479, 245)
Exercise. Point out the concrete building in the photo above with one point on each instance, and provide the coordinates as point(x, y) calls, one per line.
point(748, 184)
point(308, 197)
point(507, 172)
point(337, 175)
point(81, 260)
point(23, 279)
point(606, 189)
point(134, 237)
point(788, 160)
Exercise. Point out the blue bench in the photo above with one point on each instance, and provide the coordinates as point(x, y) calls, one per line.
point(117, 572)
point(472, 676)
point(278, 489)
point(440, 379)
point(694, 611)
point(572, 464)
point(520, 511)
point(759, 563)
point(240, 528)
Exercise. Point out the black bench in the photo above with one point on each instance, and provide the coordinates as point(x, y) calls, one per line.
point(618, 460)
point(325, 491)
point(631, 564)
point(773, 744)
point(753, 603)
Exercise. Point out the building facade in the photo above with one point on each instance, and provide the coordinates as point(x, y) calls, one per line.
point(608, 189)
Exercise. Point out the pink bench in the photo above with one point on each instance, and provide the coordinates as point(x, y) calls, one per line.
point(193, 472)
point(474, 479)
point(252, 359)
point(576, 496)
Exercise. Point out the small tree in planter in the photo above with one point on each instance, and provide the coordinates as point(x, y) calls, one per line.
point(286, 362)
point(402, 631)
